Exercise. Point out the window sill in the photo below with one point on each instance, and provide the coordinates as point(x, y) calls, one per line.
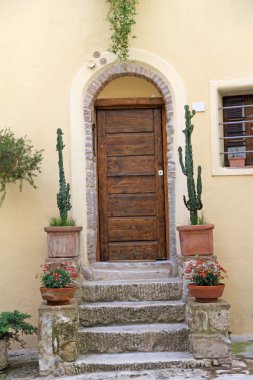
point(247, 170)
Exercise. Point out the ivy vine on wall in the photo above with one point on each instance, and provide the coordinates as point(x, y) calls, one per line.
point(121, 16)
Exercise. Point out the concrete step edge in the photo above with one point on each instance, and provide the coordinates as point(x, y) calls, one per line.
point(134, 304)
point(170, 280)
point(130, 361)
point(135, 328)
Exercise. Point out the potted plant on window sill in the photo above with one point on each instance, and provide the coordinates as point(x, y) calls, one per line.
point(12, 324)
point(63, 236)
point(237, 161)
point(205, 277)
point(196, 238)
point(58, 283)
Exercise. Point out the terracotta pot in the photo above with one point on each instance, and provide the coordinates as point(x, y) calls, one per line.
point(3, 353)
point(58, 296)
point(206, 293)
point(237, 162)
point(196, 240)
point(63, 241)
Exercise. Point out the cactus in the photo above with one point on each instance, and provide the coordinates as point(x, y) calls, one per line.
point(194, 194)
point(63, 197)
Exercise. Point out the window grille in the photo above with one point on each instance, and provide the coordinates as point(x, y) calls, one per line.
point(237, 127)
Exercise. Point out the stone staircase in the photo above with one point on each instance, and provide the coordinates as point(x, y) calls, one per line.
point(131, 318)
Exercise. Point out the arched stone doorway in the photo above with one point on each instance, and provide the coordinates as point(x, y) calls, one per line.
point(113, 72)
point(84, 91)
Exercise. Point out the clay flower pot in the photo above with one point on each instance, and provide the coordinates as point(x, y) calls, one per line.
point(196, 239)
point(237, 162)
point(58, 296)
point(205, 294)
point(63, 241)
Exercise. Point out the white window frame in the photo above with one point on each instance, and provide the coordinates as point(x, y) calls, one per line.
point(218, 89)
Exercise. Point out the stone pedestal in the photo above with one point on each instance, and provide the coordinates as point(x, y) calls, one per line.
point(3, 354)
point(209, 330)
point(58, 338)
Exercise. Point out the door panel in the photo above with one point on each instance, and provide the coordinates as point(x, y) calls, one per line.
point(130, 144)
point(132, 204)
point(131, 192)
point(132, 228)
point(135, 250)
point(135, 165)
point(127, 185)
point(132, 121)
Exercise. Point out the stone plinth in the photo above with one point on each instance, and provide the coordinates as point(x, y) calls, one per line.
point(209, 330)
point(58, 337)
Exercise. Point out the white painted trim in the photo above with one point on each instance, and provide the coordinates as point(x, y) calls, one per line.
point(218, 88)
point(77, 136)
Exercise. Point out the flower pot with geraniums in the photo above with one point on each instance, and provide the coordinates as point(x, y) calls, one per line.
point(58, 283)
point(196, 238)
point(63, 236)
point(205, 277)
point(12, 324)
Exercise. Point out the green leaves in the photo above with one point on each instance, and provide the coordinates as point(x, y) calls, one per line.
point(121, 17)
point(12, 323)
point(18, 161)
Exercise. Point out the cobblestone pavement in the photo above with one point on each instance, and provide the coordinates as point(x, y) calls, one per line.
point(24, 366)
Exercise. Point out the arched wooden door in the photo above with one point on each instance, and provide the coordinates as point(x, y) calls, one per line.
point(131, 181)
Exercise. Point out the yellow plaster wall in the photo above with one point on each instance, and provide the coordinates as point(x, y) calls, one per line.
point(129, 87)
point(44, 44)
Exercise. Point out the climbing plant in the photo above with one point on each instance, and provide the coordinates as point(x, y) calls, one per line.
point(121, 16)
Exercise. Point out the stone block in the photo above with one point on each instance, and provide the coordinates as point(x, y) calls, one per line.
point(210, 346)
point(58, 337)
point(209, 327)
point(208, 317)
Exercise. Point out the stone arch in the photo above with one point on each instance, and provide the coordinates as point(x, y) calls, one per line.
point(113, 72)
point(87, 93)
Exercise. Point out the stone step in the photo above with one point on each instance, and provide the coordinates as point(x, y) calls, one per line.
point(132, 290)
point(129, 270)
point(114, 274)
point(136, 361)
point(138, 337)
point(105, 313)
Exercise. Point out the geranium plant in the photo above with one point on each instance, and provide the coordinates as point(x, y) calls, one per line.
point(61, 276)
point(204, 272)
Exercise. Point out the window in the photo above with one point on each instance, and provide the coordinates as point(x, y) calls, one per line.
point(231, 117)
point(237, 127)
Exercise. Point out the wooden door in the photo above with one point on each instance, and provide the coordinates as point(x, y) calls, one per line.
point(130, 183)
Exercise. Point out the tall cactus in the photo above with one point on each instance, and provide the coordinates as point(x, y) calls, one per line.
point(63, 197)
point(194, 202)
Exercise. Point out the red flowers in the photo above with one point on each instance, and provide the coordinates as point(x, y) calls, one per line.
point(60, 276)
point(205, 272)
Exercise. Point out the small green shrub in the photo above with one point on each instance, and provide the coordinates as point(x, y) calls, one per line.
point(56, 221)
point(12, 324)
point(18, 161)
